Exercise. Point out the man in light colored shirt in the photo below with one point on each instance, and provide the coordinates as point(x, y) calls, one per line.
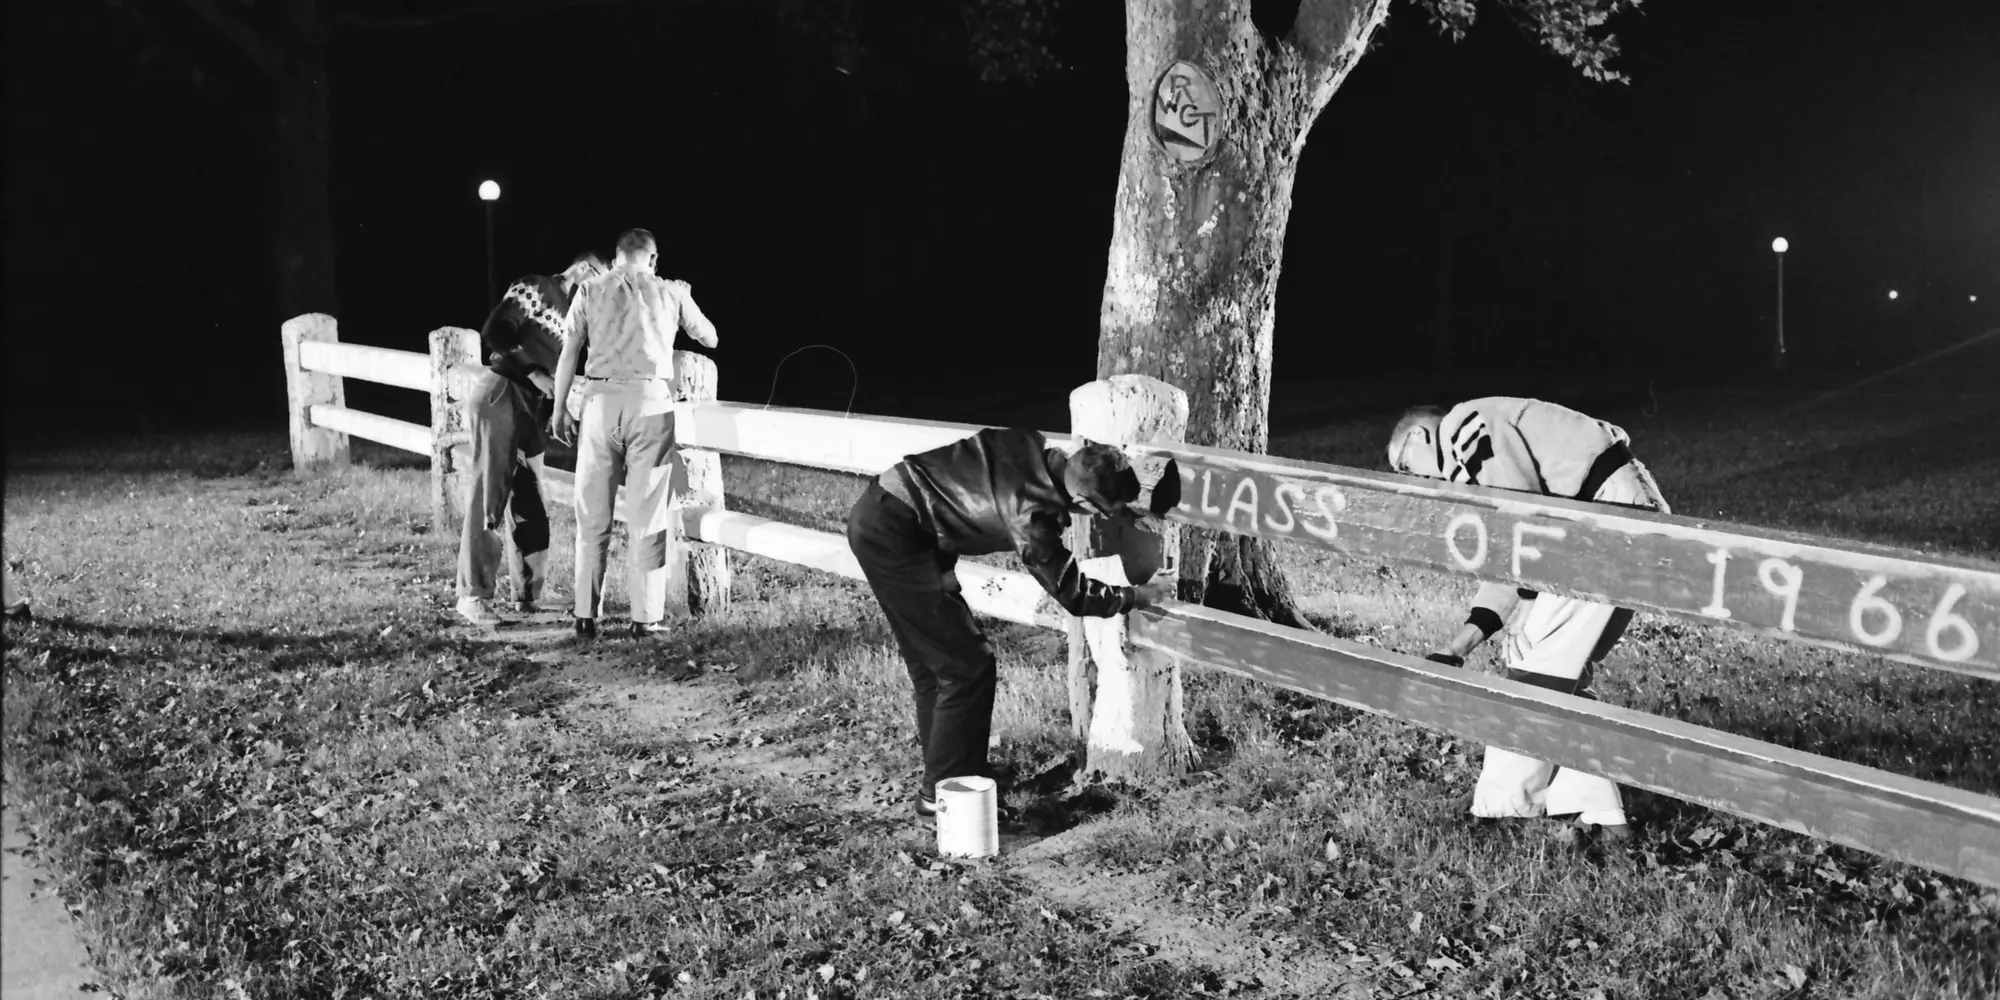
point(625, 319)
point(1552, 641)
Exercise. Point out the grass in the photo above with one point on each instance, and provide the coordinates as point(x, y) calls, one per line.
point(259, 751)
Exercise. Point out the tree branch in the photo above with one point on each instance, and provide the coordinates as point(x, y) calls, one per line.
point(262, 51)
point(352, 18)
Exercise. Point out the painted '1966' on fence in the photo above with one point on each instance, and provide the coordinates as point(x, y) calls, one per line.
point(1900, 604)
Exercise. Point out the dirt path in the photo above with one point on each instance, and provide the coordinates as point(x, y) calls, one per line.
point(734, 733)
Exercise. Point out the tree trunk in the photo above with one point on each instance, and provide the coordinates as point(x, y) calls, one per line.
point(303, 235)
point(1191, 286)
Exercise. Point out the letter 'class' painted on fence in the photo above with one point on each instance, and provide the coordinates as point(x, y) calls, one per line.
point(1260, 504)
point(1913, 611)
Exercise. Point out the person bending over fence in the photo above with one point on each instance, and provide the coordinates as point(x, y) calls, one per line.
point(506, 413)
point(996, 491)
point(626, 318)
point(1552, 642)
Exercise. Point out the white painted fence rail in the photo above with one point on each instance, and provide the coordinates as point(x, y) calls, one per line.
point(1908, 606)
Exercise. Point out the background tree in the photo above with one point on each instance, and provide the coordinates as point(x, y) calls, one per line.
point(285, 43)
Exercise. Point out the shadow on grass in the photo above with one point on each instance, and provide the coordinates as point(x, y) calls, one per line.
point(497, 675)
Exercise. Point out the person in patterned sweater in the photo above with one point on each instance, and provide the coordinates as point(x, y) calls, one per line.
point(507, 413)
point(1552, 641)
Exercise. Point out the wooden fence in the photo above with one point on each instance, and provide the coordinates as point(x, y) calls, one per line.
point(317, 363)
point(1899, 604)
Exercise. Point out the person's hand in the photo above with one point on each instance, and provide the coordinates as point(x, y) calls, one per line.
point(1446, 657)
point(562, 427)
point(1153, 594)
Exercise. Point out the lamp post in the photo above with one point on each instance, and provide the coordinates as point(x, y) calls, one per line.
point(489, 192)
point(1778, 248)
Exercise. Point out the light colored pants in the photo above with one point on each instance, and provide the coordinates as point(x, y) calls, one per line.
point(626, 438)
point(503, 492)
point(1554, 642)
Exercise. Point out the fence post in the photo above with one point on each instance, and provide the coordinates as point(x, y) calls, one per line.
point(1132, 725)
point(451, 347)
point(312, 447)
point(699, 583)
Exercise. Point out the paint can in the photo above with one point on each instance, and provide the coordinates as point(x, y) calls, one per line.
point(968, 817)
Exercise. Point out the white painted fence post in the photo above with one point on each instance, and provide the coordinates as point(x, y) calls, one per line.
point(698, 583)
point(1133, 724)
point(451, 442)
point(312, 447)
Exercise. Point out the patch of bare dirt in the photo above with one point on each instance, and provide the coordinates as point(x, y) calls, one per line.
point(730, 731)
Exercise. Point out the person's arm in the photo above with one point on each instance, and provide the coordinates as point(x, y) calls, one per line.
point(500, 338)
point(563, 426)
point(1491, 608)
point(1038, 541)
point(693, 321)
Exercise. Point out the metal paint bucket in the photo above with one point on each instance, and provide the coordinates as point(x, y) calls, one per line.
point(968, 818)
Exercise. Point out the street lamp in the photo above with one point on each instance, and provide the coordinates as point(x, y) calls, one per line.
point(1892, 293)
point(1778, 248)
point(489, 192)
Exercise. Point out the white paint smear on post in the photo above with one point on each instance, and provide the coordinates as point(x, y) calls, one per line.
point(1111, 724)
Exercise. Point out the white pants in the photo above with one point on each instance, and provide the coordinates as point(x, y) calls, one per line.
point(1560, 638)
point(626, 438)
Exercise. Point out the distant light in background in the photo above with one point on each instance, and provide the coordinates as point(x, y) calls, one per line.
point(1778, 247)
point(1892, 293)
point(1974, 298)
point(489, 192)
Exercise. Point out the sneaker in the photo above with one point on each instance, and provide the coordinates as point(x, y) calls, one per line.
point(640, 630)
point(926, 806)
point(586, 628)
point(18, 611)
point(478, 611)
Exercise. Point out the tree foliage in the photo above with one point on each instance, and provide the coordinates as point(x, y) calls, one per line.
point(1572, 29)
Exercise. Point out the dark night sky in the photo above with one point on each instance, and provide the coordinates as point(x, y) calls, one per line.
point(905, 212)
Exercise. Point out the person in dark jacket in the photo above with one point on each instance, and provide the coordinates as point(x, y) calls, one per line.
point(996, 491)
point(506, 413)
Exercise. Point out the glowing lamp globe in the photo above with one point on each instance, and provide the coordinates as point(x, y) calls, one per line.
point(1779, 245)
point(1892, 293)
point(489, 191)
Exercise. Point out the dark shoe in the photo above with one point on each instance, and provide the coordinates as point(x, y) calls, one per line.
point(640, 630)
point(926, 806)
point(586, 628)
point(18, 612)
point(1612, 836)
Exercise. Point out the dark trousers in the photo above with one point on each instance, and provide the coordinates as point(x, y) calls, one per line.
point(950, 662)
point(503, 489)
